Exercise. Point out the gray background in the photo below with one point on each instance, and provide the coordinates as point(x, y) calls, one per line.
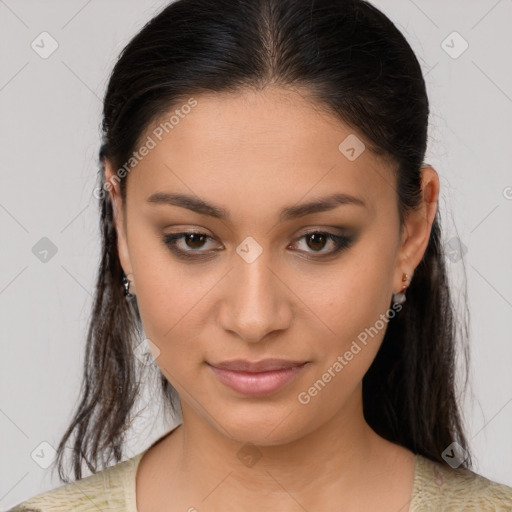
point(49, 131)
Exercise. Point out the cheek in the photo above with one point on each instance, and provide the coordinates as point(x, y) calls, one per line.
point(168, 294)
point(352, 308)
point(353, 295)
point(170, 309)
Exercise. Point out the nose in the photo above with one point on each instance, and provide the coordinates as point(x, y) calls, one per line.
point(256, 302)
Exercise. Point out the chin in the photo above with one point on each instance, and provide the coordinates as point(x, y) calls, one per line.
point(267, 425)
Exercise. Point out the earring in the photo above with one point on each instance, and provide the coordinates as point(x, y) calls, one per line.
point(399, 298)
point(126, 287)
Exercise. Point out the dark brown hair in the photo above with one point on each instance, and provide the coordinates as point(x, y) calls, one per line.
point(354, 63)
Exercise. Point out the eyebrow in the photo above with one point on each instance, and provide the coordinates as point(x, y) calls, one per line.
point(288, 213)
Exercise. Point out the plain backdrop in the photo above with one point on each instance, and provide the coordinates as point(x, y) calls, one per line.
point(50, 133)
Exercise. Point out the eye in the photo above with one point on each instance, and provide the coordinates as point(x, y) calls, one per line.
point(191, 244)
point(187, 241)
point(318, 240)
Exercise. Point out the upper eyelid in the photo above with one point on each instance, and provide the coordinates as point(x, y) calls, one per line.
point(334, 230)
point(309, 231)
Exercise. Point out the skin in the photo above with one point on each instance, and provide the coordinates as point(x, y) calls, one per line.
point(254, 153)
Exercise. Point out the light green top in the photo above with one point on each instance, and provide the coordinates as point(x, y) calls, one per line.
point(437, 488)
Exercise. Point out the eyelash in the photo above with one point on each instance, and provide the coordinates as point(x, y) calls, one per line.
point(170, 240)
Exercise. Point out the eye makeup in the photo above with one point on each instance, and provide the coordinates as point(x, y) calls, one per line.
point(189, 245)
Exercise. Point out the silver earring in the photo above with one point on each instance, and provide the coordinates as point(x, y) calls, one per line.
point(399, 298)
point(126, 288)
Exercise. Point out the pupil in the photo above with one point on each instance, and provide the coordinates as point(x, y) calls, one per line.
point(314, 237)
point(191, 238)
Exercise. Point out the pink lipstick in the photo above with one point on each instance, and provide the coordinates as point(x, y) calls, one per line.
point(256, 378)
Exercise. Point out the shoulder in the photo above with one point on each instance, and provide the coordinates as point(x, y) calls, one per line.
point(443, 488)
point(112, 489)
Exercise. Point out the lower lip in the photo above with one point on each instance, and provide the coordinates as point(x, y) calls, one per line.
point(259, 383)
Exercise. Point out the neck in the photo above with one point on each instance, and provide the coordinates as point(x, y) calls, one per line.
point(210, 464)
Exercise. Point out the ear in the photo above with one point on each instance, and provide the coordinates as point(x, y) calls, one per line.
point(417, 228)
point(113, 186)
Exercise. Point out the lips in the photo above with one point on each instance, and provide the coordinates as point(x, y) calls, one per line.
point(257, 378)
point(266, 365)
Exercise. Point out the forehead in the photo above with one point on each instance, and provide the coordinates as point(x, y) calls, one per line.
point(275, 145)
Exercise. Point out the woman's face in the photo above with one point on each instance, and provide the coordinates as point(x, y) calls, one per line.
point(255, 285)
